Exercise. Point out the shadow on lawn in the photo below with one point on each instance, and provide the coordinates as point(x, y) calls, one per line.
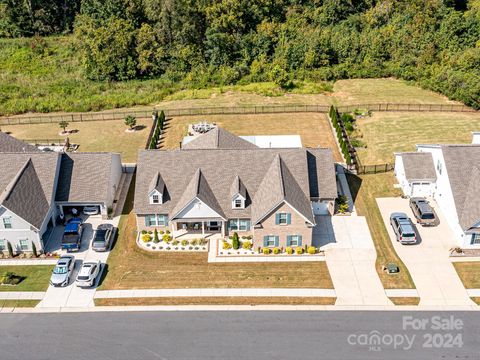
point(355, 183)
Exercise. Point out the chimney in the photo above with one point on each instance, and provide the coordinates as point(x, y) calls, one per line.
point(476, 137)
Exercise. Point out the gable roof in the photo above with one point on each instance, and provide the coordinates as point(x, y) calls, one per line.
point(10, 144)
point(218, 138)
point(238, 188)
point(279, 186)
point(198, 188)
point(84, 177)
point(462, 163)
point(419, 166)
point(157, 184)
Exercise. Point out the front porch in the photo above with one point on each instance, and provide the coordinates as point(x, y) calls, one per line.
point(198, 228)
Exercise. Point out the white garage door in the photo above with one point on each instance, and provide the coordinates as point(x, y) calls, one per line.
point(320, 208)
point(421, 189)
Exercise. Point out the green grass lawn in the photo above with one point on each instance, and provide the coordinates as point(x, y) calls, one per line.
point(92, 135)
point(36, 277)
point(365, 189)
point(386, 133)
point(469, 273)
point(18, 303)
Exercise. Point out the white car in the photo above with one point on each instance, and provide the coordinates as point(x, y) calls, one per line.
point(88, 274)
point(62, 271)
point(91, 210)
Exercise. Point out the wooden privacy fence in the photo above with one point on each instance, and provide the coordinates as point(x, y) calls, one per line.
point(229, 110)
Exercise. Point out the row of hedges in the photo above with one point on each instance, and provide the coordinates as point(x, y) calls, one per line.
point(342, 135)
point(157, 131)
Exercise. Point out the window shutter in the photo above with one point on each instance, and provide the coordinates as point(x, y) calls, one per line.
point(248, 225)
point(277, 219)
point(147, 220)
point(276, 241)
point(289, 218)
point(299, 240)
point(289, 240)
point(265, 241)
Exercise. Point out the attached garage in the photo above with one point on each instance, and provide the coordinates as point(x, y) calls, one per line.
point(416, 173)
point(421, 189)
point(321, 207)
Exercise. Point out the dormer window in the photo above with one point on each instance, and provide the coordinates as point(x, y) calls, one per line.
point(238, 202)
point(156, 198)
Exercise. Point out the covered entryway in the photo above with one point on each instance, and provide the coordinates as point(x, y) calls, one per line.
point(205, 228)
point(320, 208)
point(66, 209)
point(421, 189)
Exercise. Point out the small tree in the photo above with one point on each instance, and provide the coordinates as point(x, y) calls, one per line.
point(34, 249)
point(235, 241)
point(63, 125)
point(155, 236)
point(10, 250)
point(130, 121)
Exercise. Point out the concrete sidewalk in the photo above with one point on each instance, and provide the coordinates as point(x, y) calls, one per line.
point(22, 295)
point(24, 262)
point(111, 294)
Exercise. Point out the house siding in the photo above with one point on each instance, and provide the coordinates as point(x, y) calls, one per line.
point(20, 230)
point(297, 226)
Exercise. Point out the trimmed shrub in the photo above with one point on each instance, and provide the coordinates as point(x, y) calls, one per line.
point(235, 241)
point(144, 232)
point(194, 242)
point(34, 249)
point(276, 251)
point(266, 251)
point(146, 238)
point(175, 242)
point(247, 245)
point(166, 238)
point(226, 245)
point(299, 250)
point(289, 250)
point(184, 242)
point(311, 250)
point(10, 250)
point(155, 237)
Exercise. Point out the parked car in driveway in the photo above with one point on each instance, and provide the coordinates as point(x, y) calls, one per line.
point(91, 210)
point(423, 212)
point(88, 274)
point(72, 235)
point(62, 271)
point(403, 228)
point(103, 237)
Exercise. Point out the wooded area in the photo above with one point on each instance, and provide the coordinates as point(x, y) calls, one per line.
point(209, 42)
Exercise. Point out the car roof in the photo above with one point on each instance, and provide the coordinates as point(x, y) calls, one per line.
point(425, 207)
point(399, 215)
point(71, 227)
point(104, 227)
point(86, 268)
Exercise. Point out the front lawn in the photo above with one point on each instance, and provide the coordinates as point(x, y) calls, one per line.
point(92, 136)
point(18, 303)
point(365, 189)
point(313, 128)
point(132, 268)
point(469, 273)
point(35, 277)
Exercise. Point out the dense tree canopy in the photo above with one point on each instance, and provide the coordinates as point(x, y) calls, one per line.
point(434, 42)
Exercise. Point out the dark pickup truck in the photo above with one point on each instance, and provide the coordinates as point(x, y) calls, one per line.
point(72, 235)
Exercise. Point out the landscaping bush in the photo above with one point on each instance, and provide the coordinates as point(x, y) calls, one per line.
point(166, 238)
point(10, 250)
point(34, 249)
point(184, 242)
point(299, 250)
point(9, 278)
point(175, 242)
point(146, 238)
point(312, 250)
point(247, 245)
point(203, 242)
point(194, 242)
point(130, 121)
point(235, 241)
point(289, 250)
point(162, 232)
point(276, 251)
point(155, 237)
point(266, 251)
point(144, 232)
point(226, 245)
point(167, 231)
point(342, 203)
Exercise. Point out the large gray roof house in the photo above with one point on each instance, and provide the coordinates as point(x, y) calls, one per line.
point(220, 184)
point(36, 186)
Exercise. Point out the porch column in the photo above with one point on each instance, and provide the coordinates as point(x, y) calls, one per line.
point(173, 226)
point(224, 223)
point(203, 228)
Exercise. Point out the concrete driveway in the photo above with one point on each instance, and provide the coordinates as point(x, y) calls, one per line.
point(435, 277)
point(71, 295)
point(350, 255)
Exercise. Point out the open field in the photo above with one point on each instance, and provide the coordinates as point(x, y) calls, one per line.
point(386, 133)
point(131, 268)
point(218, 300)
point(91, 136)
point(405, 300)
point(469, 273)
point(313, 128)
point(36, 277)
point(18, 303)
point(365, 189)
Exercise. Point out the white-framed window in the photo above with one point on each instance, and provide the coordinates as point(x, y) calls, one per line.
point(270, 240)
point(295, 240)
point(238, 204)
point(239, 225)
point(3, 244)
point(23, 244)
point(282, 218)
point(475, 239)
point(156, 220)
point(155, 199)
point(7, 222)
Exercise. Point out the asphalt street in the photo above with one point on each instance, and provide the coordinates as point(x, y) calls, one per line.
point(241, 335)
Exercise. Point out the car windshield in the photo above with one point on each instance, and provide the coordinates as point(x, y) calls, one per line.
point(428, 216)
point(60, 270)
point(408, 235)
point(82, 277)
point(100, 235)
point(70, 238)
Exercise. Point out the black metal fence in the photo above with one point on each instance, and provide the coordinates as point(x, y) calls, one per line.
point(374, 169)
point(228, 110)
point(37, 142)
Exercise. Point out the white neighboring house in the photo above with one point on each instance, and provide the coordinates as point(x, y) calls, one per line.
point(36, 186)
point(455, 185)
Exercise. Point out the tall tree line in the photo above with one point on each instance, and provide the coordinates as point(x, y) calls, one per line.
point(204, 42)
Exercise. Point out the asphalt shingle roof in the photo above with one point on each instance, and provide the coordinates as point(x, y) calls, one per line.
point(11, 145)
point(218, 138)
point(419, 166)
